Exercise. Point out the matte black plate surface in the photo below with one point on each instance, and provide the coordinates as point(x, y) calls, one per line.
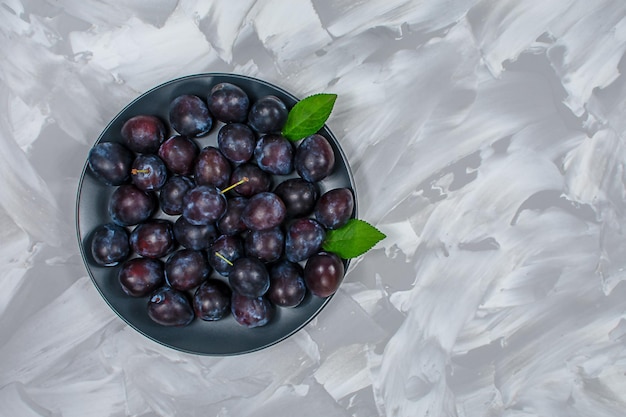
point(224, 337)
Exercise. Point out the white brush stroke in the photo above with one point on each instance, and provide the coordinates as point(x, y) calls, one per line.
point(142, 56)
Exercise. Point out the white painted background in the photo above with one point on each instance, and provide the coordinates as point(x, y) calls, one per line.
point(487, 139)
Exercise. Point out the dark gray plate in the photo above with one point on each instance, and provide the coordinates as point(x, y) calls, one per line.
point(224, 337)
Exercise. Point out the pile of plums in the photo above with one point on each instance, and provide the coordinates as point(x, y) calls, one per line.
point(234, 228)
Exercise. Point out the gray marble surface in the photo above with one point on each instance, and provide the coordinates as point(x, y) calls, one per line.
point(486, 140)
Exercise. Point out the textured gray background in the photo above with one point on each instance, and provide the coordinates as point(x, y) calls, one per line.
point(486, 140)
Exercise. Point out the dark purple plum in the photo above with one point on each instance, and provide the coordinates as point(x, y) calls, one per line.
point(251, 312)
point(153, 239)
point(143, 133)
point(287, 286)
point(148, 172)
point(228, 103)
point(139, 277)
point(129, 205)
point(314, 159)
point(109, 244)
point(179, 154)
point(203, 204)
point(265, 245)
point(170, 307)
point(268, 115)
point(223, 252)
point(304, 238)
point(172, 193)
point(190, 116)
point(258, 180)
point(212, 168)
point(110, 162)
point(274, 154)
point(211, 301)
point(230, 223)
point(191, 236)
point(185, 269)
point(249, 277)
point(298, 195)
point(334, 208)
point(263, 211)
point(323, 273)
point(236, 141)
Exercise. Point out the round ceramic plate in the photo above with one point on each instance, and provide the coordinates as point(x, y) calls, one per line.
point(226, 336)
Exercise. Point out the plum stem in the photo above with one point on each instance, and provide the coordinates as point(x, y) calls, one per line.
point(230, 187)
point(136, 171)
point(219, 255)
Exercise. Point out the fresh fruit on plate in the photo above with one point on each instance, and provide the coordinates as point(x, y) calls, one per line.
point(243, 227)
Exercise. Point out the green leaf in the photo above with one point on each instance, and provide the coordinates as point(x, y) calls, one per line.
point(353, 239)
point(308, 116)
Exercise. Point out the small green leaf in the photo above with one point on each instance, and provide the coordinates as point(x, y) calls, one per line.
point(308, 116)
point(353, 239)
